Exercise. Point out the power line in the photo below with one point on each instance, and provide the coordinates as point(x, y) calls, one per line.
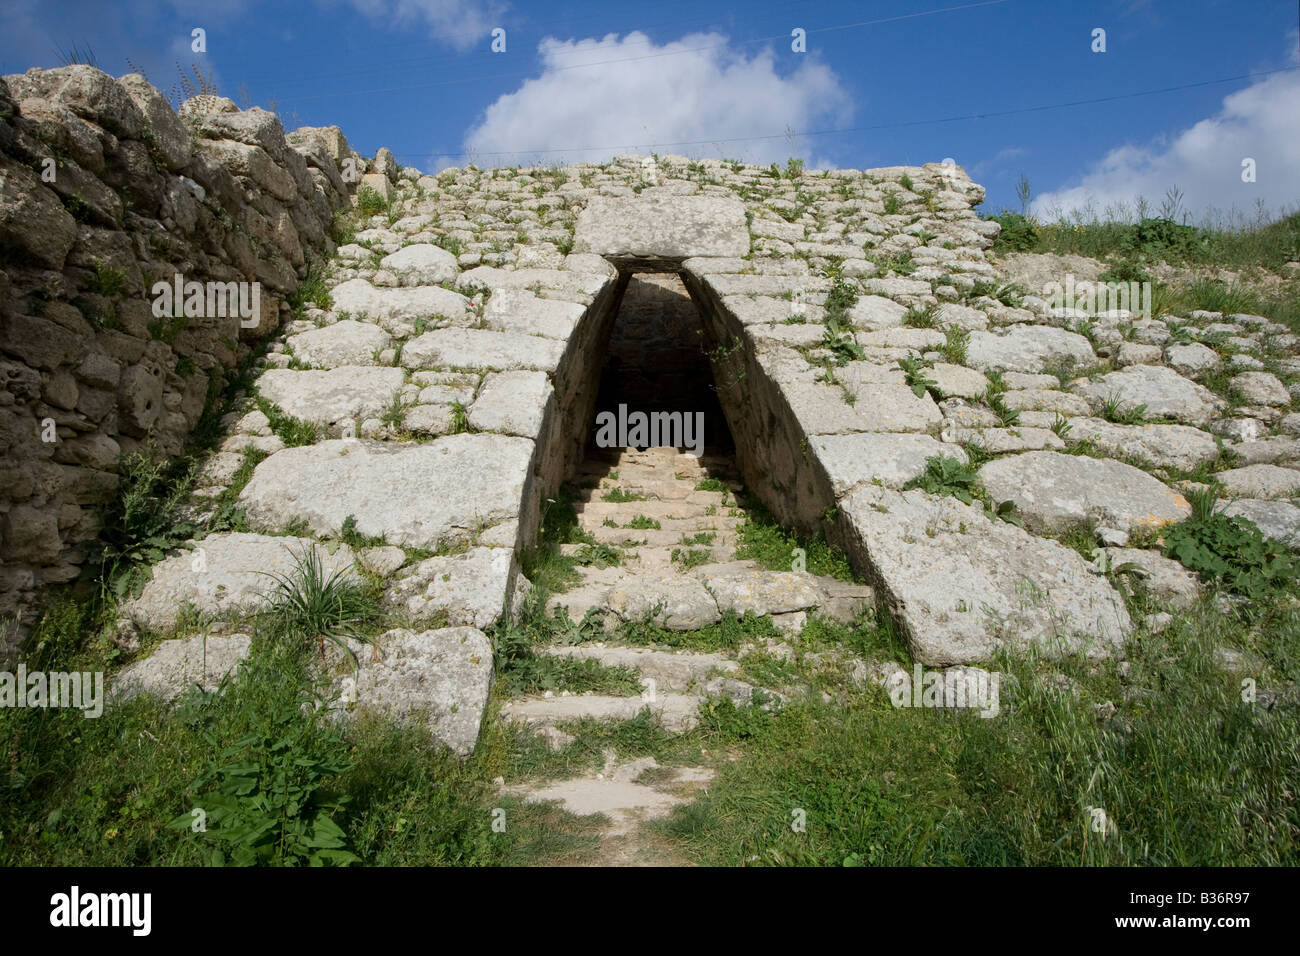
point(652, 56)
point(987, 114)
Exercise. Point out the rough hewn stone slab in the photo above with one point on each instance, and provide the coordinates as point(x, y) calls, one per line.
point(891, 459)
point(429, 495)
point(469, 588)
point(662, 228)
point(1055, 492)
point(1027, 348)
point(442, 677)
point(325, 397)
point(821, 409)
point(1179, 446)
point(176, 666)
point(343, 343)
point(1164, 392)
point(224, 573)
point(397, 309)
point(961, 585)
point(512, 403)
point(482, 349)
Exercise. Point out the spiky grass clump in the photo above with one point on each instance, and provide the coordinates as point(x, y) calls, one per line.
point(310, 604)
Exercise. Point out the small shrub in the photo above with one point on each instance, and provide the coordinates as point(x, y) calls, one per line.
point(841, 344)
point(947, 476)
point(841, 298)
point(370, 203)
point(956, 339)
point(914, 372)
point(916, 318)
point(997, 402)
point(107, 281)
point(690, 557)
point(267, 796)
point(308, 605)
point(141, 523)
point(1018, 234)
point(1231, 551)
point(459, 418)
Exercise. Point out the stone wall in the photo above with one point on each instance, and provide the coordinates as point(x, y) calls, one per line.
point(105, 190)
point(771, 450)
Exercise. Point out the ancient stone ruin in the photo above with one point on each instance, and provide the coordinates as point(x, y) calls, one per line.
point(836, 330)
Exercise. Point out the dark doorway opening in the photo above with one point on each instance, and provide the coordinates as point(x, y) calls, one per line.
point(656, 360)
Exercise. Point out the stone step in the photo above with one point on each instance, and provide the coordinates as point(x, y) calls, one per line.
point(665, 537)
point(683, 508)
point(687, 471)
point(677, 712)
point(668, 488)
point(702, 593)
point(687, 519)
point(671, 671)
point(618, 796)
point(689, 524)
point(722, 465)
point(653, 489)
point(659, 558)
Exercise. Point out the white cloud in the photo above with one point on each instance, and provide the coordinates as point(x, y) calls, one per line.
point(636, 96)
point(984, 166)
point(460, 24)
point(1204, 161)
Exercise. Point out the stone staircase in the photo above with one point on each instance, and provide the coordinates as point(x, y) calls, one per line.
point(677, 538)
point(682, 516)
point(691, 508)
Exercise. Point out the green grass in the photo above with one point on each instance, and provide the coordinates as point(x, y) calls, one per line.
point(619, 496)
point(921, 318)
point(1189, 773)
point(102, 792)
point(1231, 245)
point(370, 203)
point(643, 523)
point(545, 566)
point(294, 432)
point(690, 558)
point(311, 604)
point(728, 634)
point(312, 289)
point(1113, 411)
point(763, 540)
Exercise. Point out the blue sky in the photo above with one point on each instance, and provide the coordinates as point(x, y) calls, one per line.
point(881, 83)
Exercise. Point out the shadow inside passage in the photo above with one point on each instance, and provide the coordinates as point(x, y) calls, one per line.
point(656, 360)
